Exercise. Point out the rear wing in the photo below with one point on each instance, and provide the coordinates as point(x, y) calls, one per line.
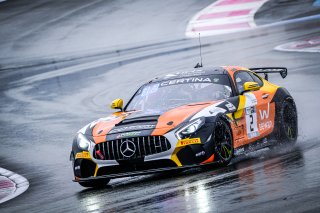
point(271, 70)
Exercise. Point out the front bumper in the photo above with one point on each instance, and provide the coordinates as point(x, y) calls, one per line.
point(143, 172)
point(178, 156)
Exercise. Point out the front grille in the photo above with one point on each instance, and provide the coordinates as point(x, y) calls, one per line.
point(144, 146)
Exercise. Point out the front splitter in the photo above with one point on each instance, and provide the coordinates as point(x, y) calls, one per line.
point(142, 172)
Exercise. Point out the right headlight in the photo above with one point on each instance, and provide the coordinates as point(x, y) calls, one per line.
point(83, 142)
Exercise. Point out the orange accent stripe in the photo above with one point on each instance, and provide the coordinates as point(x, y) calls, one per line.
point(209, 160)
point(99, 139)
point(100, 136)
point(161, 131)
point(105, 127)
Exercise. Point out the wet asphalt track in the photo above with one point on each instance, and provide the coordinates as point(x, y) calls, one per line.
point(62, 62)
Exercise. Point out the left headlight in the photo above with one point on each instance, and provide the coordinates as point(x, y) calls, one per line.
point(190, 128)
point(83, 142)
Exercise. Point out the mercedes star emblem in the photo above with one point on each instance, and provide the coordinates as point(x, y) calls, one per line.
point(127, 148)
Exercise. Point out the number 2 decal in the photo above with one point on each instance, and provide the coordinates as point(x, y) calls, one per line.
point(251, 122)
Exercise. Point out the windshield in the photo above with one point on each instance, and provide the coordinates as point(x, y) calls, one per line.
point(169, 94)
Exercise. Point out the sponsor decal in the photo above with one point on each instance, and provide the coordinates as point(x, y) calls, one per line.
point(186, 80)
point(210, 110)
point(264, 114)
point(199, 154)
point(83, 154)
point(132, 128)
point(251, 122)
point(265, 126)
point(185, 74)
point(216, 110)
point(128, 134)
point(239, 151)
point(230, 106)
point(188, 141)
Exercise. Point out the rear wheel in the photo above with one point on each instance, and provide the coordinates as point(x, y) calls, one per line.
point(287, 125)
point(95, 183)
point(223, 142)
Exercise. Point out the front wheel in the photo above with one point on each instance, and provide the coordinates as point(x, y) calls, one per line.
point(224, 149)
point(95, 183)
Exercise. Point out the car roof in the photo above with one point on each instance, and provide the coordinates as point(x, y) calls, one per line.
point(196, 72)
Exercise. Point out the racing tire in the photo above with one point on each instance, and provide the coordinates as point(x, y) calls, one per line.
point(287, 122)
point(223, 149)
point(97, 184)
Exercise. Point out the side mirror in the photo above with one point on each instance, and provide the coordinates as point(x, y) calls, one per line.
point(250, 86)
point(117, 104)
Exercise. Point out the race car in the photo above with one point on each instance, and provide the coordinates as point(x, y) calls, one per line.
point(184, 120)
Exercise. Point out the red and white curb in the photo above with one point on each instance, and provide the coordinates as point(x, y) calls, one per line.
point(11, 185)
point(224, 16)
point(311, 45)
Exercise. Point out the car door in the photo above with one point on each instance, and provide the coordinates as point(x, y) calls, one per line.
point(265, 109)
point(250, 104)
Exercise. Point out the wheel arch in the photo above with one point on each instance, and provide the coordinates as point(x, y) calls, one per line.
point(227, 121)
point(281, 95)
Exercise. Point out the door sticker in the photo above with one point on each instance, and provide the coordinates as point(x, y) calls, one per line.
point(264, 114)
point(251, 122)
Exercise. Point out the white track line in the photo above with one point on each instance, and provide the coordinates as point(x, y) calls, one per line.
point(224, 16)
point(19, 184)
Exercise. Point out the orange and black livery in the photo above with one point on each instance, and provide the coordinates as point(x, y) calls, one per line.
point(183, 120)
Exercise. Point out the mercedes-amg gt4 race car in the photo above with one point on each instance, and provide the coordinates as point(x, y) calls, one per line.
point(184, 120)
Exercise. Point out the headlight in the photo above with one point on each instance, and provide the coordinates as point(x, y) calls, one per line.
point(190, 128)
point(83, 142)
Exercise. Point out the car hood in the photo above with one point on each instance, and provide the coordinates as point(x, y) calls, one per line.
point(159, 122)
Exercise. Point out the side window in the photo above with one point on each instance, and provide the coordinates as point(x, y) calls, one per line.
point(241, 78)
point(257, 79)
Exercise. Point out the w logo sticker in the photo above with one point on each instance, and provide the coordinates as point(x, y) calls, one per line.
point(264, 114)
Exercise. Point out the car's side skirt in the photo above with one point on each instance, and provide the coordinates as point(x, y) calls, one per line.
point(254, 146)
